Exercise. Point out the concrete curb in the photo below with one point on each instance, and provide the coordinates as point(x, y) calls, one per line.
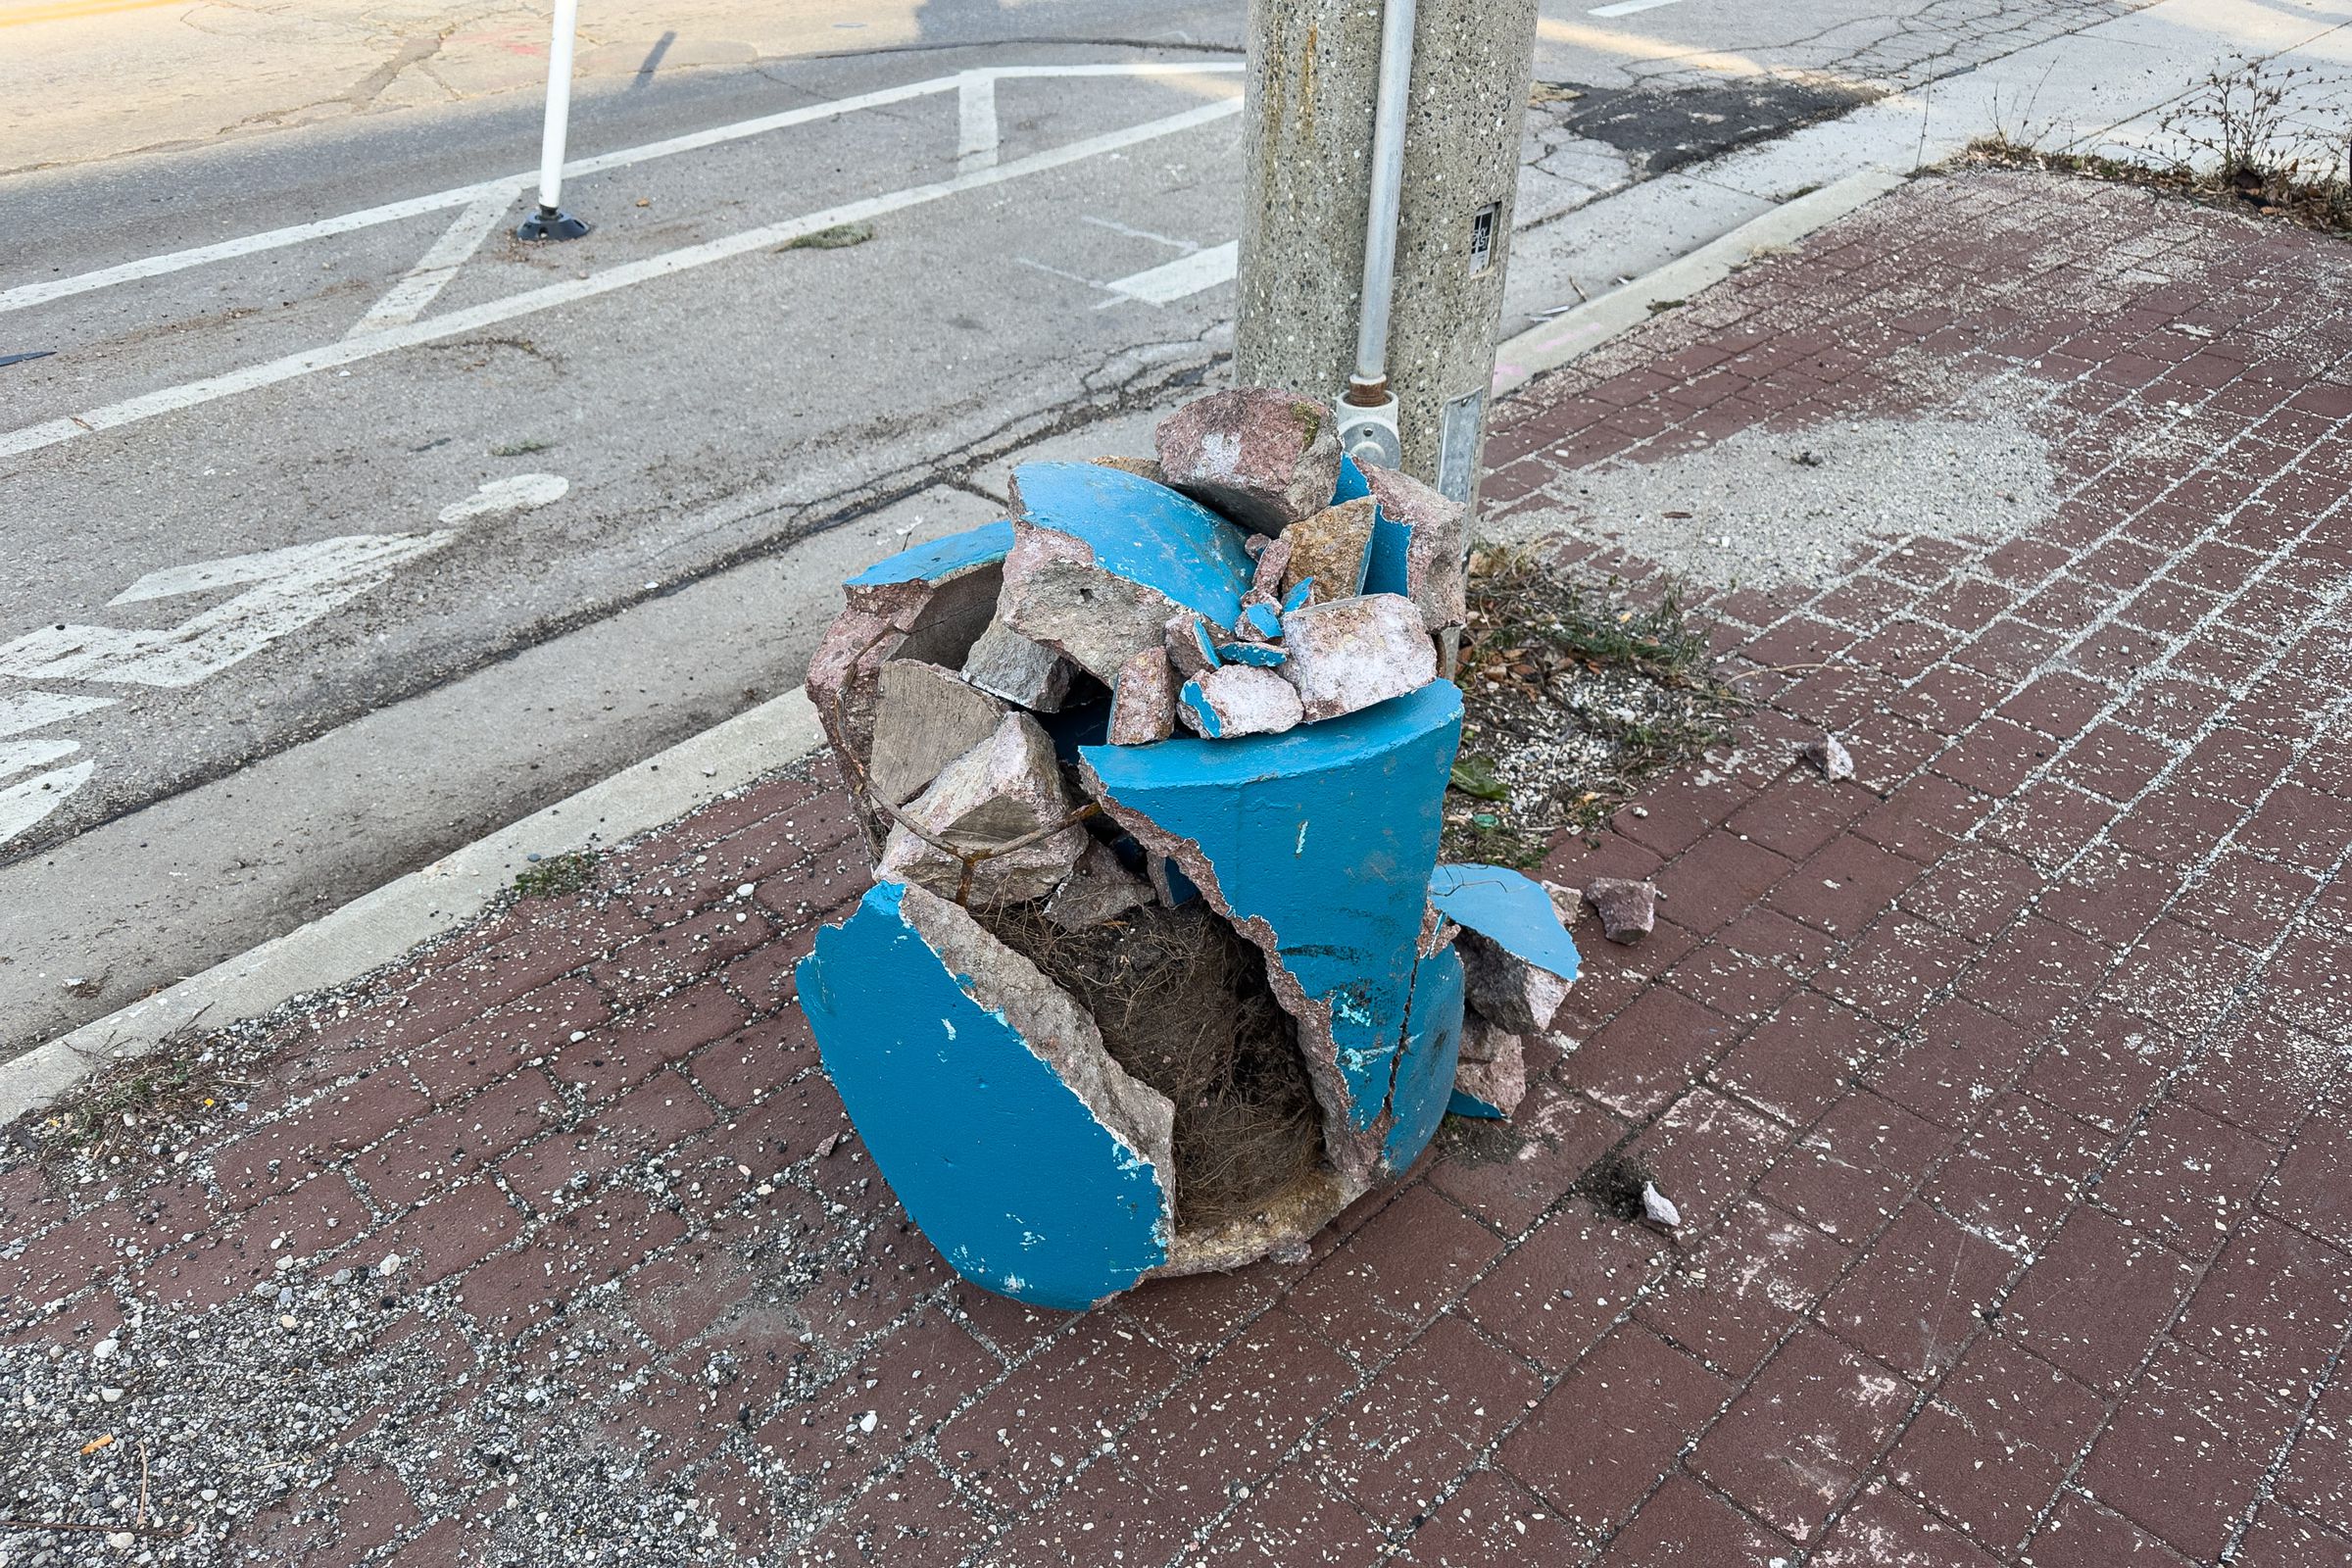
point(380, 926)
point(1520, 360)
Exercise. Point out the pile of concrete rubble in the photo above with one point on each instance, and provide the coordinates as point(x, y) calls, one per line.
point(1160, 971)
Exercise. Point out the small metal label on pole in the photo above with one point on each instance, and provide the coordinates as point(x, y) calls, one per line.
point(1457, 444)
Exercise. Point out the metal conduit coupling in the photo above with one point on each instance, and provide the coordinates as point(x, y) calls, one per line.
point(1368, 413)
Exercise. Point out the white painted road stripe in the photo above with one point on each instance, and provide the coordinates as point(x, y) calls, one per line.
point(1626, 8)
point(975, 122)
point(407, 299)
point(30, 294)
point(1173, 280)
point(22, 804)
point(24, 710)
point(474, 319)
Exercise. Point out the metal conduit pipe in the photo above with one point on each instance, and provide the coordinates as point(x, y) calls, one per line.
point(1368, 416)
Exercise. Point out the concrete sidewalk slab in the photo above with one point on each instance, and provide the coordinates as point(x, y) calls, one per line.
point(2002, 1090)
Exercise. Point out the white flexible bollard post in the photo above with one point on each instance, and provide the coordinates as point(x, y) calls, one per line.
point(550, 221)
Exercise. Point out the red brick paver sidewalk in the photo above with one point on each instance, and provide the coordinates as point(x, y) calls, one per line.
point(2002, 1088)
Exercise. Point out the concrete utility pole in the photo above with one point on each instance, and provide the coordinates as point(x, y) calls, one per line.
point(1314, 314)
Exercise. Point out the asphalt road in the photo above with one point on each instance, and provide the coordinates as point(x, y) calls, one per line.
point(327, 550)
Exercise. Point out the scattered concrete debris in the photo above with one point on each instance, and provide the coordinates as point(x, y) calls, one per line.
point(1331, 550)
point(1142, 699)
point(1658, 1208)
point(1828, 753)
point(924, 719)
point(1160, 971)
point(1007, 664)
point(1238, 699)
point(1264, 458)
point(1348, 654)
point(1628, 910)
point(1006, 799)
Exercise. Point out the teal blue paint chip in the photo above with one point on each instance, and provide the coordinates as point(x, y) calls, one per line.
point(1471, 1105)
point(1352, 485)
point(1298, 597)
point(1195, 703)
point(1433, 1052)
point(1325, 833)
point(1266, 656)
point(1508, 910)
point(941, 557)
point(1144, 533)
point(1264, 619)
point(1387, 570)
point(1206, 643)
point(1003, 1167)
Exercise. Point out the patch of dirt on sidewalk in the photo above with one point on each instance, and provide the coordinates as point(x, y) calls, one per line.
point(1573, 697)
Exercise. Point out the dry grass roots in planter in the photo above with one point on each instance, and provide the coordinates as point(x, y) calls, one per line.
point(1183, 1004)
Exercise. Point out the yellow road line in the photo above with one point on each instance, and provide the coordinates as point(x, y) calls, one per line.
point(71, 10)
point(1634, 46)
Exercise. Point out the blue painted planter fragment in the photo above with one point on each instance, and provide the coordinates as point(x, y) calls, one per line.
point(1468, 1105)
point(1035, 1165)
point(1432, 1055)
point(1313, 841)
point(1266, 656)
point(1507, 909)
point(1144, 533)
point(941, 557)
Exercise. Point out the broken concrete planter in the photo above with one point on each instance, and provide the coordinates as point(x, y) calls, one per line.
point(1031, 824)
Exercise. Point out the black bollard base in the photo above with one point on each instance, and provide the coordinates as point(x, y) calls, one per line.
point(549, 223)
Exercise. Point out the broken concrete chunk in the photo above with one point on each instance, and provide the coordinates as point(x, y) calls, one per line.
point(1829, 755)
point(1352, 653)
point(1168, 882)
point(1658, 1208)
point(1299, 842)
point(929, 603)
point(1301, 594)
point(1264, 458)
point(1437, 548)
point(1191, 644)
point(1273, 564)
point(1483, 1040)
point(1003, 790)
point(1012, 666)
point(1096, 618)
point(1141, 467)
point(1490, 1088)
point(986, 1097)
point(1332, 549)
point(1506, 988)
point(1142, 700)
point(1235, 699)
point(1098, 889)
point(924, 718)
point(1628, 910)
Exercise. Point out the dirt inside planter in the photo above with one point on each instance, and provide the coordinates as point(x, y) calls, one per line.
point(1183, 1004)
